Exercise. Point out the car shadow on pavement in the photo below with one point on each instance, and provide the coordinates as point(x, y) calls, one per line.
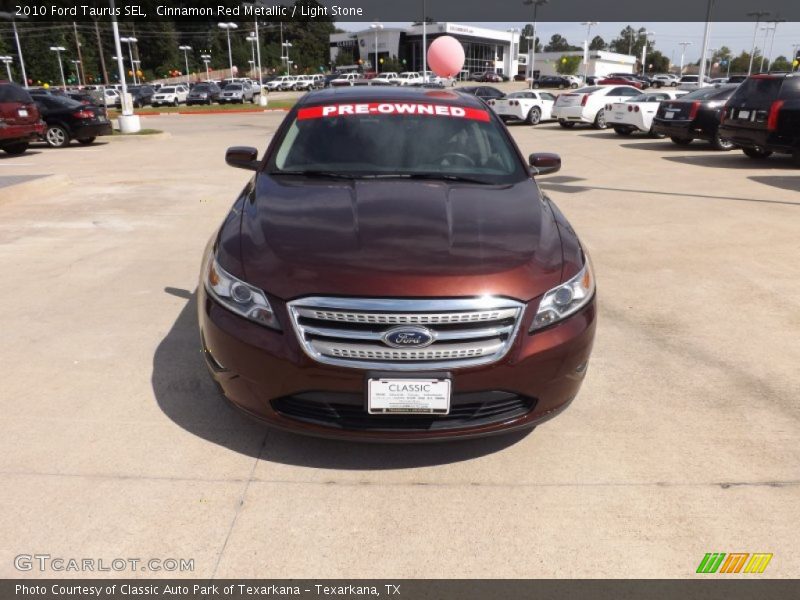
point(734, 160)
point(783, 183)
point(190, 399)
point(665, 145)
point(26, 154)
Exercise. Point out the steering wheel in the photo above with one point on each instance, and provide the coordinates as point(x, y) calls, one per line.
point(463, 157)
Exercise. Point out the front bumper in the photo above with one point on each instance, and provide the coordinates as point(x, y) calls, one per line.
point(268, 375)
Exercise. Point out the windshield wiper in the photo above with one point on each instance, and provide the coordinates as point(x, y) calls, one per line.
point(445, 177)
point(315, 173)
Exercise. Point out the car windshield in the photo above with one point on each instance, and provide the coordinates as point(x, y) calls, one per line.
point(11, 92)
point(233, 87)
point(393, 139)
point(201, 87)
point(587, 90)
point(167, 90)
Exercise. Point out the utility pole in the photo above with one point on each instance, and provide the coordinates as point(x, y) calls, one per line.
point(532, 47)
point(772, 41)
point(589, 25)
point(100, 52)
point(644, 52)
point(701, 76)
point(82, 76)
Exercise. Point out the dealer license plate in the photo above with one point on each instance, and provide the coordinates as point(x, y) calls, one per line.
point(408, 396)
point(669, 114)
point(743, 114)
point(22, 112)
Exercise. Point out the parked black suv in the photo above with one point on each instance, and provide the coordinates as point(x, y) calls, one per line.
point(763, 116)
point(695, 116)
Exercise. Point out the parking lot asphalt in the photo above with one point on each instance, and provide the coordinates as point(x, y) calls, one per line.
point(684, 439)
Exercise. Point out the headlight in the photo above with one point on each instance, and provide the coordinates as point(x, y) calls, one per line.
point(237, 296)
point(566, 299)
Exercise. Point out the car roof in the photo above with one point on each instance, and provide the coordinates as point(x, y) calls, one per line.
point(389, 94)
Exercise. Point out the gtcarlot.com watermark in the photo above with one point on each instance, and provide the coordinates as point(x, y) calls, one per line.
point(44, 563)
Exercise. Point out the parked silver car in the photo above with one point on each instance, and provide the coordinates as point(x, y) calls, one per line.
point(237, 93)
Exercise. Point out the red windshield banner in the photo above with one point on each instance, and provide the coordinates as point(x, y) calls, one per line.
point(392, 108)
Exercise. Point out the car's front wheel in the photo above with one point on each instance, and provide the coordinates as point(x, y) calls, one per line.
point(756, 152)
point(534, 116)
point(600, 120)
point(56, 136)
point(16, 149)
point(175, 103)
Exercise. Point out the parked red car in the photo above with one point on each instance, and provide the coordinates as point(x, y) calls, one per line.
point(622, 81)
point(392, 271)
point(20, 122)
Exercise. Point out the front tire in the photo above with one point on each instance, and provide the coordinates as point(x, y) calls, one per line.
point(534, 116)
point(56, 136)
point(16, 149)
point(681, 141)
point(600, 119)
point(757, 153)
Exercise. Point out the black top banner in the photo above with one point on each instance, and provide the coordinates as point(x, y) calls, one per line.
point(404, 10)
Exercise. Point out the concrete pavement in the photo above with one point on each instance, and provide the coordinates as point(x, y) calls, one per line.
point(684, 439)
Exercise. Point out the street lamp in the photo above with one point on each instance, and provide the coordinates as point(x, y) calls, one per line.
point(710, 53)
point(130, 41)
point(775, 24)
point(58, 50)
point(227, 27)
point(646, 34)
point(77, 71)
point(285, 57)
point(253, 41)
point(8, 60)
point(186, 60)
point(532, 47)
point(377, 27)
point(206, 59)
point(758, 14)
point(683, 53)
point(589, 25)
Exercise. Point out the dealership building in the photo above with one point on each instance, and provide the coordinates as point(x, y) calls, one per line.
point(484, 50)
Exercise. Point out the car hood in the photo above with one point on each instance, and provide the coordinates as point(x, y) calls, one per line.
point(398, 238)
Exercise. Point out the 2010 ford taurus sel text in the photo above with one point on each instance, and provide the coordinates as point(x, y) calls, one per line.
point(393, 272)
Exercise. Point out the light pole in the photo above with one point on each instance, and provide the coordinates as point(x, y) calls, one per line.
point(186, 50)
point(206, 59)
point(766, 29)
point(683, 53)
point(58, 50)
point(758, 14)
point(253, 40)
point(285, 57)
point(8, 60)
point(77, 71)
point(644, 52)
point(227, 27)
point(772, 41)
point(130, 41)
point(377, 27)
point(706, 34)
point(128, 122)
point(532, 47)
point(712, 51)
point(589, 25)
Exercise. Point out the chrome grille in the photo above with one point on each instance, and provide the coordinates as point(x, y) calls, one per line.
point(350, 331)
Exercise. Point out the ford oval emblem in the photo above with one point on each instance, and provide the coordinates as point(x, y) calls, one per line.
point(408, 337)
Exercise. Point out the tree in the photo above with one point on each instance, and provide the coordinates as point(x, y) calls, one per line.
point(630, 41)
point(559, 43)
point(658, 60)
point(781, 64)
point(568, 65)
point(524, 42)
point(597, 43)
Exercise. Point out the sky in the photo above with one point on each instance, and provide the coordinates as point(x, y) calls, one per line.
point(736, 36)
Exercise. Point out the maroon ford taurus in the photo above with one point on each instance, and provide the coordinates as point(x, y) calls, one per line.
point(393, 272)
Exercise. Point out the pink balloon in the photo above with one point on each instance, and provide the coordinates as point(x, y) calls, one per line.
point(446, 56)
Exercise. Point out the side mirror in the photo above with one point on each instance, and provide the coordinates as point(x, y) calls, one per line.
point(242, 157)
point(544, 163)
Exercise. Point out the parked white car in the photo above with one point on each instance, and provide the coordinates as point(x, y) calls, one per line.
point(410, 78)
point(345, 79)
point(170, 95)
point(111, 97)
point(531, 106)
point(587, 105)
point(429, 77)
point(276, 83)
point(692, 82)
point(636, 114)
point(665, 80)
point(303, 83)
point(388, 78)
